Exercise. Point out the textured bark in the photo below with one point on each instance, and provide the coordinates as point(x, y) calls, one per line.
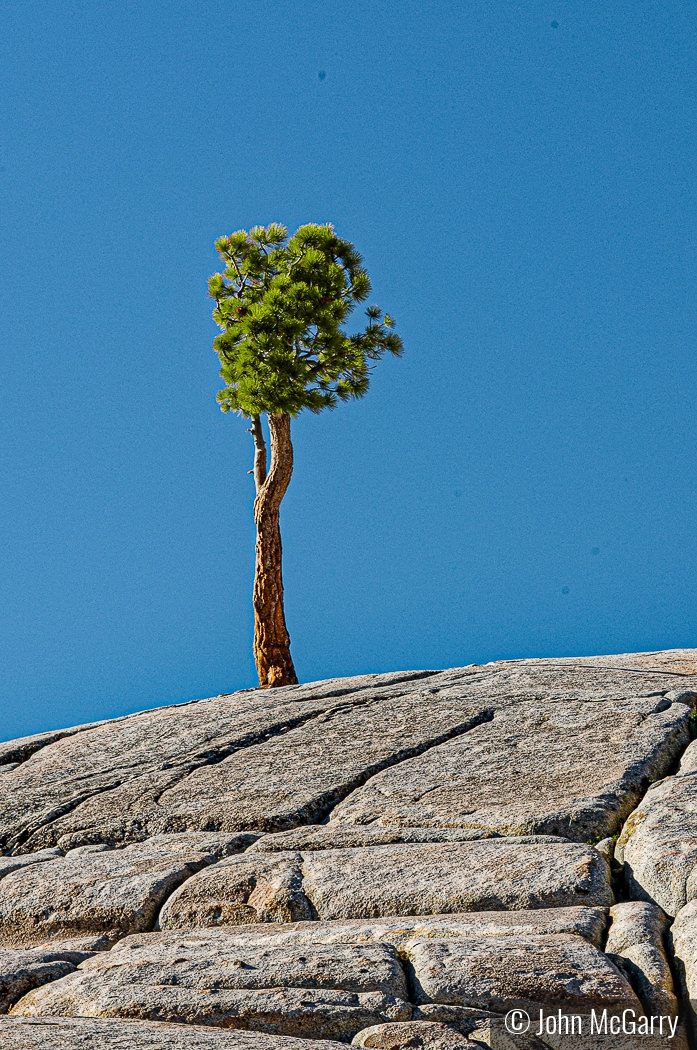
point(271, 638)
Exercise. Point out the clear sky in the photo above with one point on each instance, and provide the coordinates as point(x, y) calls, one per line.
point(520, 178)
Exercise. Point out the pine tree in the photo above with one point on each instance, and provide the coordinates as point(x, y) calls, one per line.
point(281, 304)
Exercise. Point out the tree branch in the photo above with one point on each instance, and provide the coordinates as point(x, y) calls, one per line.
point(259, 470)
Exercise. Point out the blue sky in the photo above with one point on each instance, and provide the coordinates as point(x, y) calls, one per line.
point(519, 177)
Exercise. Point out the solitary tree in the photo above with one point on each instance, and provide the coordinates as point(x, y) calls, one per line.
point(281, 303)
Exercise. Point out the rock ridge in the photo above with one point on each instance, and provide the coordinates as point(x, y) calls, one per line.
point(391, 860)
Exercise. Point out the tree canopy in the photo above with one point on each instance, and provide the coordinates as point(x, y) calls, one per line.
point(281, 304)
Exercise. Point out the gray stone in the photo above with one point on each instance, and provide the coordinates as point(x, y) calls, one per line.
point(495, 974)
point(400, 931)
point(216, 844)
point(403, 879)
point(412, 1035)
point(10, 864)
point(636, 943)
point(480, 1026)
point(20, 971)
point(379, 816)
point(575, 769)
point(606, 848)
point(13, 752)
point(318, 991)
point(684, 944)
point(85, 945)
point(108, 782)
point(236, 763)
point(333, 836)
point(95, 894)
point(87, 1033)
point(675, 662)
point(658, 844)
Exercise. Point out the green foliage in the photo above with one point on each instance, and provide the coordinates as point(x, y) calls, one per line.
point(280, 304)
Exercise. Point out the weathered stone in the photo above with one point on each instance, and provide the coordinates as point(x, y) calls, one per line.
point(424, 776)
point(340, 836)
point(606, 848)
point(445, 877)
point(467, 1020)
point(245, 889)
point(588, 923)
point(216, 844)
point(90, 894)
point(20, 971)
point(330, 836)
point(10, 864)
point(236, 763)
point(13, 752)
point(87, 1033)
point(412, 1035)
point(678, 662)
point(404, 879)
point(320, 991)
point(492, 974)
point(684, 944)
point(107, 783)
point(85, 945)
point(658, 844)
point(636, 943)
point(575, 769)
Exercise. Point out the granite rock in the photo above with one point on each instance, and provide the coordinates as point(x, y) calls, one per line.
point(179, 768)
point(391, 857)
point(518, 774)
point(588, 923)
point(20, 971)
point(636, 942)
point(683, 937)
point(658, 844)
point(10, 864)
point(87, 1033)
point(320, 991)
point(237, 763)
point(90, 894)
point(494, 974)
point(412, 1035)
point(401, 879)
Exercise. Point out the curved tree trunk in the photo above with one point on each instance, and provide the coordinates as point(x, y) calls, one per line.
point(271, 638)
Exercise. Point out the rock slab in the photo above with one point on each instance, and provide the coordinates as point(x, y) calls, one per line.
point(321, 991)
point(400, 879)
point(86, 1033)
point(106, 893)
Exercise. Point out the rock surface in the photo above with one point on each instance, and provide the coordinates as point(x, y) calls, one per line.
point(109, 893)
point(684, 944)
point(402, 879)
point(494, 974)
point(237, 763)
point(636, 942)
point(517, 774)
point(658, 844)
point(588, 923)
point(412, 1035)
point(322, 991)
point(393, 859)
point(81, 1033)
point(20, 971)
point(192, 767)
